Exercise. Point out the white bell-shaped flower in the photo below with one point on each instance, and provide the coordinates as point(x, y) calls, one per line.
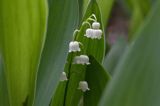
point(63, 77)
point(74, 46)
point(82, 59)
point(95, 25)
point(93, 33)
point(83, 85)
point(97, 34)
point(89, 33)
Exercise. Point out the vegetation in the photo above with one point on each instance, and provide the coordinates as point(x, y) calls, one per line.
point(79, 53)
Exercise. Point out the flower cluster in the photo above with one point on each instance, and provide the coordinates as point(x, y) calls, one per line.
point(94, 32)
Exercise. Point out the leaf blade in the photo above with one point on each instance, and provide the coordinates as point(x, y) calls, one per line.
point(62, 21)
point(4, 98)
point(136, 81)
point(97, 79)
point(23, 35)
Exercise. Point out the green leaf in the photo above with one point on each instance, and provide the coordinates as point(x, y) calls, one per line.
point(80, 2)
point(23, 25)
point(97, 79)
point(4, 99)
point(139, 11)
point(67, 92)
point(136, 81)
point(105, 7)
point(114, 55)
point(63, 19)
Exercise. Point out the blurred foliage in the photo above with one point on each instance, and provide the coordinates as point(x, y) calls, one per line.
point(136, 78)
point(4, 99)
point(22, 37)
point(114, 55)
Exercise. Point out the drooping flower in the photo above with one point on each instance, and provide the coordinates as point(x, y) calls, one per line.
point(74, 46)
point(97, 33)
point(95, 25)
point(83, 85)
point(94, 33)
point(82, 59)
point(89, 33)
point(63, 77)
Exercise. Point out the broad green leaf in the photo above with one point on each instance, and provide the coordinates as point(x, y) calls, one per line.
point(80, 2)
point(136, 20)
point(23, 25)
point(84, 6)
point(63, 19)
point(114, 55)
point(136, 81)
point(105, 7)
point(139, 11)
point(4, 99)
point(67, 92)
point(97, 79)
point(143, 5)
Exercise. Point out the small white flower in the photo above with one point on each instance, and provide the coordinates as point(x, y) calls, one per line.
point(74, 46)
point(97, 33)
point(83, 85)
point(82, 59)
point(95, 25)
point(93, 33)
point(63, 77)
point(89, 33)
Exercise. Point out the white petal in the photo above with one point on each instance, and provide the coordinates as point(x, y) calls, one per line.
point(89, 33)
point(95, 25)
point(63, 77)
point(83, 85)
point(93, 33)
point(74, 46)
point(82, 59)
point(97, 33)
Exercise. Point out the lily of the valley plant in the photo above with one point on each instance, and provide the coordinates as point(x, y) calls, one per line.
point(79, 53)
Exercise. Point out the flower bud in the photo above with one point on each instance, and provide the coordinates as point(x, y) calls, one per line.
point(95, 25)
point(83, 85)
point(63, 77)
